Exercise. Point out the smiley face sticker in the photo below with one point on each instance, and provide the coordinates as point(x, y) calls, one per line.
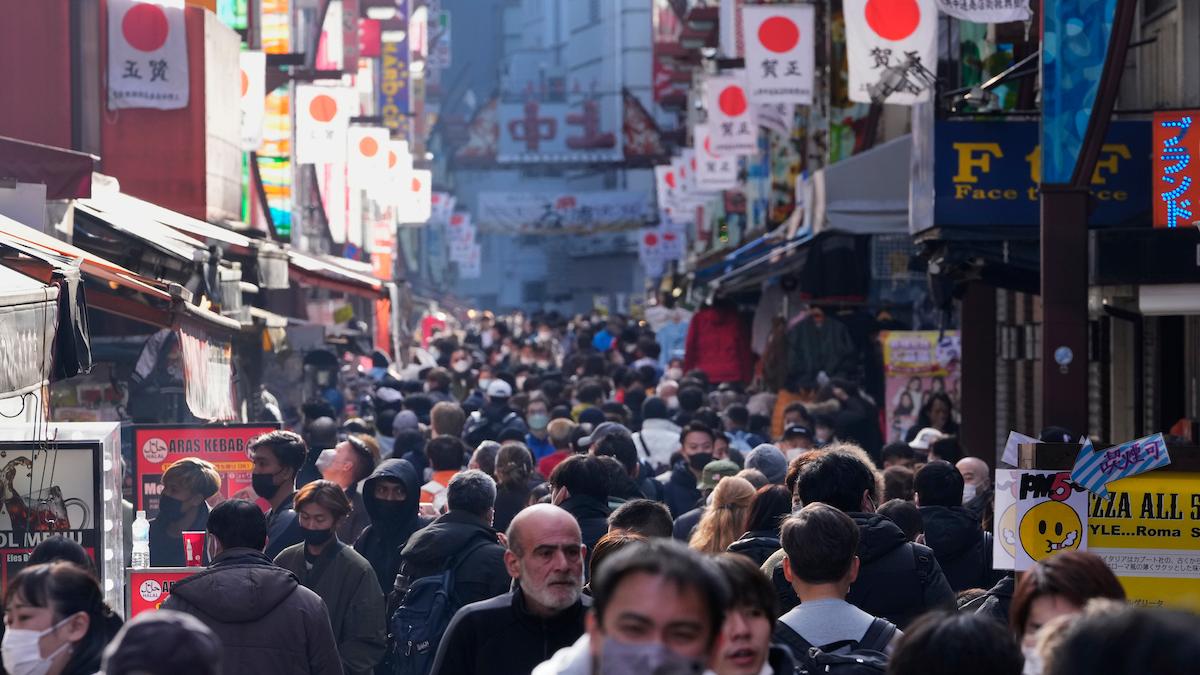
point(1048, 528)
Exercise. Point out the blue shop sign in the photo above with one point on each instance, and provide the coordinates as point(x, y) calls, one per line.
point(987, 173)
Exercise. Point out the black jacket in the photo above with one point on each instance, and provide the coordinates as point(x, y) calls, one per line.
point(265, 620)
point(757, 545)
point(166, 551)
point(501, 637)
point(898, 580)
point(686, 524)
point(592, 516)
point(509, 502)
point(283, 528)
point(479, 576)
point(680, 492)
point(487, 423)
point(962, 548)
point(996, 602)
point(383, 540)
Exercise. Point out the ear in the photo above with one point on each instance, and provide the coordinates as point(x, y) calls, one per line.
point(868, 506)
point(787, 569)
point(854, 567)
point(77, 627)
point(511, 565)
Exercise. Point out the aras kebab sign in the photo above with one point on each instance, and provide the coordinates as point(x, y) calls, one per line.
point(157, 447)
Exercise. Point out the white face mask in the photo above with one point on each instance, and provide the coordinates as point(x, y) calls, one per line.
point(675, 374)
point(21, 655)
point(969, 491)
point(325, 459)
point(461, 366)
point(484, 382)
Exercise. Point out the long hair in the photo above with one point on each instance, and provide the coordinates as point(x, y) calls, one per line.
point(514, 466)
point(725, 519)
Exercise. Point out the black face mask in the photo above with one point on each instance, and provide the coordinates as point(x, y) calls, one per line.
point(700, 460)
point(388, 513)
point(316, 537)
point(169, 508)
point(264, 485)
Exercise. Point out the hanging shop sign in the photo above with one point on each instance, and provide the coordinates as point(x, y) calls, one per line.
point(987, 173)
point(253, 100)
point(394, 76)
point(322, 118)
point(147, 55)
point(918, 364)
point(986, 11)
point(714, 171)
point(367, 149)
point(780, 43)
point(207, 374)
point(891, 50)
point(1176, 173)
point(731, 118)
point(416, 205)
point(562, 212)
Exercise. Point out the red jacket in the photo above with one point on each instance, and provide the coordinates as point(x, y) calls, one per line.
point(718, 343)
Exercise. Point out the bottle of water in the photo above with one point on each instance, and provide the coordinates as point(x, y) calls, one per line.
point(141, 541)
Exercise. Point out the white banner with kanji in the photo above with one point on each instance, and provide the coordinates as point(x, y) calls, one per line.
point(254, 98)
point(147, 55)
point(986, 11)
point(368, 158)
point(730, 116)
point(780, 43)
point(714, 171)
point(322, 118)
point(441, 206)
point(891, 49)
point(665, 185)
point(651, 252)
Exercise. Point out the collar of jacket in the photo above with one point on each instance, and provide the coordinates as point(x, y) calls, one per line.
point(462, 518)
point(240, 556)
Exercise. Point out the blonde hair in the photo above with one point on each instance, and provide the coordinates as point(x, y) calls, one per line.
point(195, 474)
point(725, 519)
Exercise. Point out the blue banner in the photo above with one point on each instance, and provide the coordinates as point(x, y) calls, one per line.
point(394, 78)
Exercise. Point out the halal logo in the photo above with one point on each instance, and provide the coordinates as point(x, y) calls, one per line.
point(150, 590)
point(154, 450)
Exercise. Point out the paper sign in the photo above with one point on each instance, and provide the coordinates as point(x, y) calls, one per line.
point(730, 115)
point(1012, 447)
point(1004, 519)
point(147, 55)
point(986, 11)
point(1051, 516)
point(1093, 470)
point(417, 205)
point(254, 98)
point(780, 42)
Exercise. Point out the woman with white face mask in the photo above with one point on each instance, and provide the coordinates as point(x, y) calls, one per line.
point(56, 622)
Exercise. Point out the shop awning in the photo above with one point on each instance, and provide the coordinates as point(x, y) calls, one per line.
point(65, 173)
point(28, 324)
point(866, 193)
point(334, 274)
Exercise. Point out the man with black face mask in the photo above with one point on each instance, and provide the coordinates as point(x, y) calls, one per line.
point(186, 485)
point(277, 458)
point(680, 491)
point(392, 495)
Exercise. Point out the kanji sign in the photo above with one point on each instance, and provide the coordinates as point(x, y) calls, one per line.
point(888, 43)
point(254, 98)
point(730, 116)
point(713, 171)
point(986, 11)
point(1176, 172)
point(147, 55)
point(541, 131)
point(322, 117)
point(562, 212)
point(779, 43)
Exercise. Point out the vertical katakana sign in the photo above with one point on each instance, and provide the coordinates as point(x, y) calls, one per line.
point(1176, 173)
point(779, 43)
point(147, 55)
point(891, 49)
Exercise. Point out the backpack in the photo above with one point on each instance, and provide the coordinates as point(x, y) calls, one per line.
point(865, 657)
point(424, 614)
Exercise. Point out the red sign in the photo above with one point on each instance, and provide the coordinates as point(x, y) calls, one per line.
point(156, 447)
point(149, 588)
point(1176, 169)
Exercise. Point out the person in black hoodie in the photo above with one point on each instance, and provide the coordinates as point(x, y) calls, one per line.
point(186, 485)
point(579, 484)
point(962, 548)
point(771, 505)
point(898, 580)
point(680, 492)
point(462, 536)
point(392, 495)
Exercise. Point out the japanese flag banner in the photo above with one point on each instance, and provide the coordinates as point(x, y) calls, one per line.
point(398, 174)
point(147, 55)
point(673, 240)
point(417, 205)
point(367, 158)
point(986, 11)
point(730, 116)
point(254, 98)
point(440, 207)
point(780, 42)
point(666, 185)
point(891, 49)
point(322, 118)
point(651, 252)
point(713, 171)
point(470, 266)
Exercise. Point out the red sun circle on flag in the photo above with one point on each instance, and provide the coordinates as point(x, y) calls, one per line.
point(245, 83)
point(416, 185)
point(732, 101)
point(670, 178)
point(368, 146)
point(893, 19)
point(145, 27)
point(779, 34)
point(391, 159)
point(708, 146)
point(323, 108)
point(668, 236)
point(651, 239)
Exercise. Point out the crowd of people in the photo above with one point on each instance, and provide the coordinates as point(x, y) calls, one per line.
point(561, 499)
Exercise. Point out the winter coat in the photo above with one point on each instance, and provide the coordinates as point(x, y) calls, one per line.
point(686, 524)
point(501, 637)
point(858, 422)
point(592, 516)
point(898, 580)
point(815, 347)
point(718, 343)
point(347, 584)
point(265, 620)
point(283, 528)
point(996, 602)
point(962, 548)
point(493, 419)
point(479, 576)
point(382, 541)
point(680, 492)
point(509, 502)
point(757, 545)
point(357, 521)
point(657, 441)
point(166, 551)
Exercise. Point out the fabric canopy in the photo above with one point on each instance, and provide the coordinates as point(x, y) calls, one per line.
point(866, 193)
point(28, 322)
point(65, 173)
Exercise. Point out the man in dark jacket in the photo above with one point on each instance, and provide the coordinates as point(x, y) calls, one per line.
point(680, 492)
point(392, 496)
point(955, 534)
point(319, 434)
point(513, 633)
point(898, 580)
point(277, 457)
point(495, 417)
point(579, 484)
point(464, 537)
point(266, 621)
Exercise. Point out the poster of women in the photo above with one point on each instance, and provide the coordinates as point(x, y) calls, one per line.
point(922, 371)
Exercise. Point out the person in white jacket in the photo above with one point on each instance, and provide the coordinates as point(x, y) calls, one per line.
point(659, 437)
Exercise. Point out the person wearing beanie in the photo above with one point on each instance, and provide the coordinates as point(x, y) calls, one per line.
point(770, 461)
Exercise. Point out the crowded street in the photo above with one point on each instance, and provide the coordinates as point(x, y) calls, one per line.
point(599, 337)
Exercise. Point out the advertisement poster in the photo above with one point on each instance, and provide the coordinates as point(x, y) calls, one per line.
point(917, 366)
point(149, 588)
point(1004, 519)
point(48, 489)
point(156, 447)
point(1051, 516)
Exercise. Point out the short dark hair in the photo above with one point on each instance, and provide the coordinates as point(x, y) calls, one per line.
point(748, 586)
point(905, 515)
point(446, 453)
point(57, 547)
point(948, 643)
point(898, 450)
point(772, 503)
point(590, 392)
point(797, 407)
point(939, 483)
point(836, 478)
point(439, 377)
point(471, 491)
point(447, 418)
point(287, 446)
point(1077, 576)
point(696, 428)
point(581, 475)
point(654, 408)
point(738, 414)
point(383, 421)
point(1130, 640)
point(897, 483)
point(366, 454)
point(237, 523)
point(620, 447)
point(691, 399)
point(485, 454)
point(642, 516)
point(947, 448)
point(677, 564)
point(820, 542)
point(324, 493)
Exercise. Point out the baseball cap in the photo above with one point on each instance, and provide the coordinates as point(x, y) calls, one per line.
point(603, 430)
point(925, 438)
point(715, 470)
point(797, 430)
point(498, 388)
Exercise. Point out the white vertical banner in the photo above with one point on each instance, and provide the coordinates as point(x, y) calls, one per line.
point(665, 186)
point(417, 205)
point(730, 117)
point(396, 180)
point(713, 170)
point(780, 43)
point(367, 157)
point(254, 98)
point(470, 266)
point(322, 118)
point(147, 55)
point(650, 252)
point(886, 44)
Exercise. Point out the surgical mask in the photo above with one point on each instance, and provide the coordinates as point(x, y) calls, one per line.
point(484, 382)
point(526, 361)
point(461, 366)
point(169, 508)
point(20, 653)
point(675, 374)
point(316, 537)
point(969, 491)
point(1033, 662)
point(545, 337)
point(325, 459)
point(538, 421)
point(673, 402)
point(652, 658)
point(264, 485)
point(543, 364)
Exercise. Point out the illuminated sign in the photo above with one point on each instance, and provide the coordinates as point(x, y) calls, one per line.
point(1176, 174)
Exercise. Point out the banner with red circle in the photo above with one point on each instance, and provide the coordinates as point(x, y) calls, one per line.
point(888, 43)
point(147, 55)
point(780, 45)
point(731, 119)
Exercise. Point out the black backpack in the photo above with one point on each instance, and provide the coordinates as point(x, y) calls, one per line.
point(865, 657)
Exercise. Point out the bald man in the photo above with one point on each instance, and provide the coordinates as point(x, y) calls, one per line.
point(516, 631)
point(976, 477)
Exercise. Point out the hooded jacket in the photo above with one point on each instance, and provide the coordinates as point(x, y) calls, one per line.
point(898, 580)
point(261, 614)
point(962, 548)
point(757, 545)
point(384, 538)
point(481, 575)
point(680, 492)
point(657, 441)
point(997, 602)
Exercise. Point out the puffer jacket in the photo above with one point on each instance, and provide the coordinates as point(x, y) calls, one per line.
point(656, 442)
point(383, 539)
point(962, 548)
point(261, 614)
point(718, 343)
point(757, 545)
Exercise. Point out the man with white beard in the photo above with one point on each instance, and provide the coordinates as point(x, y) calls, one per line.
point(513, 633)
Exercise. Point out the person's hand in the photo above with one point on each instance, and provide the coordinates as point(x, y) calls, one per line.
point(502, 539)
point(840, 394)
point(428, 510)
